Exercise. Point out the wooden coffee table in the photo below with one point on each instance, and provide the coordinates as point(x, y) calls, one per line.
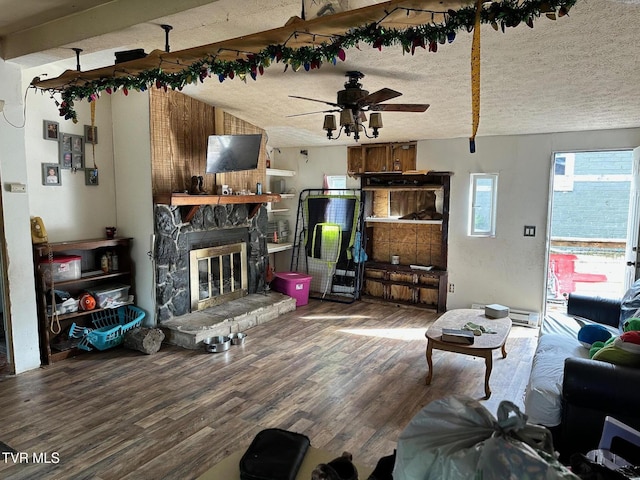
point(483, 345)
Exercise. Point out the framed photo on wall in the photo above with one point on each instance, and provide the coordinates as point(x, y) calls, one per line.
point(71, 151)
point(67, 160)
point(91, 177)
point(51, 174)
point(90, 135)
point(50, 130)
point(77, 161)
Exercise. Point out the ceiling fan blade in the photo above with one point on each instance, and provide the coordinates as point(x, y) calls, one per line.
point(314, 100)
point(400, 107)
point(380, 96)
point(311, 113)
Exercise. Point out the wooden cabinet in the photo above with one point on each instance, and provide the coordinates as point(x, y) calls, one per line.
point(381, 157)
point(403, 284)
point(407, 217)
point(54, 342)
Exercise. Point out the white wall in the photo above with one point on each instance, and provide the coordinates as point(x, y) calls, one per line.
point(134, 200)
point(509, 269)
point(73, 210)
point(20, 289)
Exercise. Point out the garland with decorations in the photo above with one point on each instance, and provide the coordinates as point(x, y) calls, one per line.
point(500, 15)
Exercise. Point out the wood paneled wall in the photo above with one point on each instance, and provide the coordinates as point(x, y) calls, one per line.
point(180, 127)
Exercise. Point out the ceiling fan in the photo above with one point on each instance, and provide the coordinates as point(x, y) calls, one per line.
point(353, 102)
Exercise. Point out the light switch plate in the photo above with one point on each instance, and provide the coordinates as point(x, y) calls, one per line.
point(529, 231)
point(17, 188)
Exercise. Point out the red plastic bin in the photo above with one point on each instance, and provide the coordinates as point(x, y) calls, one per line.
point(294, 284)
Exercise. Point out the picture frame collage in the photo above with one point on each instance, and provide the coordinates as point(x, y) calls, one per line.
point(72, 154)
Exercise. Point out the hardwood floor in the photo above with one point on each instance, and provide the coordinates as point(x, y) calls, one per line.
point(350, 377)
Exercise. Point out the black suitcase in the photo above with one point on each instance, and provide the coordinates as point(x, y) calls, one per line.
point(274, 454)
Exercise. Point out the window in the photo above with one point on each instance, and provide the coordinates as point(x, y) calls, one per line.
point(563, 168)
point(336, 182)
point(482, 204)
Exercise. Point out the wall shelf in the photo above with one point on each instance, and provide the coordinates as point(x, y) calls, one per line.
point(278, 247)
point(276, 172)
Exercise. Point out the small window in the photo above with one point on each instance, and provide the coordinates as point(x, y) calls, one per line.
point(336, 182)
point(563, 172)
point(482, 204)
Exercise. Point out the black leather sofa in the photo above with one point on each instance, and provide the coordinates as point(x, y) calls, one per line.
point(592, 389)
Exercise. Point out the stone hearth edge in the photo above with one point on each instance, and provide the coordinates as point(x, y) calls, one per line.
point(188, 331)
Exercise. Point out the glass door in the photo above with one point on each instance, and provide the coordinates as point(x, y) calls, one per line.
point(592, 226)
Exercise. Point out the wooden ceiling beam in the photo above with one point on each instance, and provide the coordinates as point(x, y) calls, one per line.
point(102, 19)
point(392, 14)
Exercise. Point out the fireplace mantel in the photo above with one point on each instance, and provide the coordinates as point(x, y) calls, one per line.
point(182, 199)
point(196, 201)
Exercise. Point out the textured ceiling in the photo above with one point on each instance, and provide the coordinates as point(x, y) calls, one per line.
point(577, 73)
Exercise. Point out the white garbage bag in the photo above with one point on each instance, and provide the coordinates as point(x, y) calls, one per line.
point(457, 438)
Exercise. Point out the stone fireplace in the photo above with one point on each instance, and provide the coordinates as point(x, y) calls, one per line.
point(230, 260)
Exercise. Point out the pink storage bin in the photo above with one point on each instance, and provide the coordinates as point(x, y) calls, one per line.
point(294, 284)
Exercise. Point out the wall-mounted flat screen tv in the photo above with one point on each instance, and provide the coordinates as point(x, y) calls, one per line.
point(232, 153)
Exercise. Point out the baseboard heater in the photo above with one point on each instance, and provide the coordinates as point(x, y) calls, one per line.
point(517, 316)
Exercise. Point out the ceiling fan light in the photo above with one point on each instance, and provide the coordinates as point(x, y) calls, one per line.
point(346, 117)
point(375, 120)
point(329, 123)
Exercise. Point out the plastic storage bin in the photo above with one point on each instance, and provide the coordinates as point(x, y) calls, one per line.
point(294, 284)
point(68, 306)
point(110, 325)
point(111, 295)
point(63, 268)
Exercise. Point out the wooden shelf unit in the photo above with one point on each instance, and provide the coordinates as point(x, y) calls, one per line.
point(419, 242)
point(90, 251)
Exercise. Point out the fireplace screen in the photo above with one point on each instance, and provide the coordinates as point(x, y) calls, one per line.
point(218, 274)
